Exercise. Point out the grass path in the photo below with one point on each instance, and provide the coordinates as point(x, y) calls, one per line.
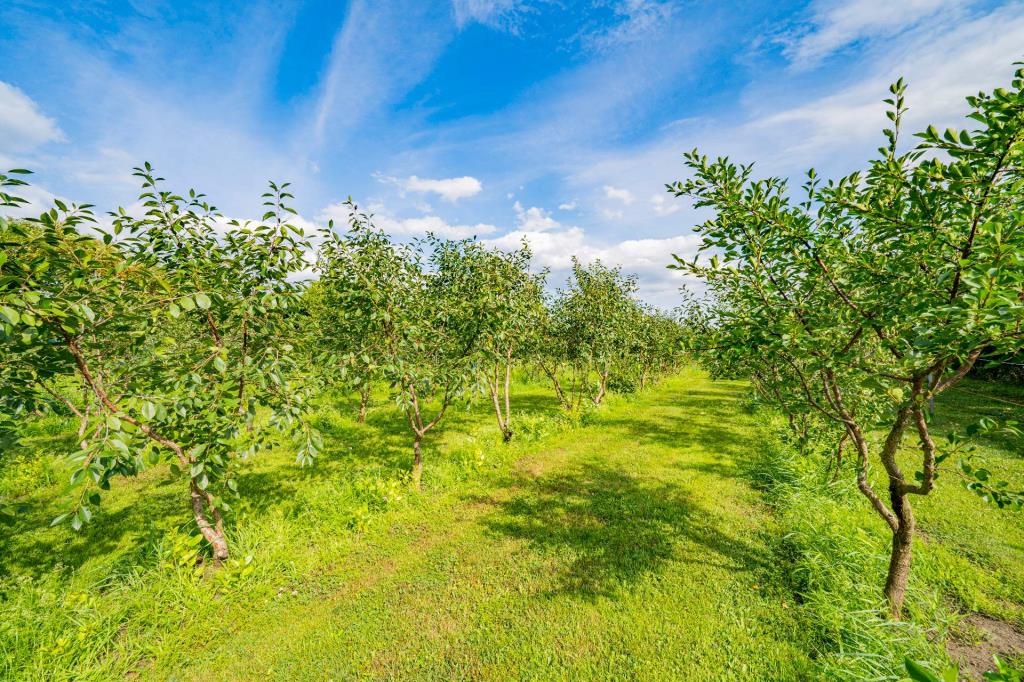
point(627, 549)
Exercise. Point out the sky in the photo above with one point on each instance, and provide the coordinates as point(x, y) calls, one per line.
point(557, 121)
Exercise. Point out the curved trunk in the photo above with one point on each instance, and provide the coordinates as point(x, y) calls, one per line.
point(602, 387)
point(839, 455)
point(900, 555)
point(211, 532)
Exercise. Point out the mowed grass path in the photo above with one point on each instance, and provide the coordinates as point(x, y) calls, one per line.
point(631, 548)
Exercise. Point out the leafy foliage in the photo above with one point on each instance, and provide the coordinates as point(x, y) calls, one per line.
point(876, 293)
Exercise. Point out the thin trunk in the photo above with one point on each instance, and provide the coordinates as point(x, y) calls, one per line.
point(420, 429)
point(212, 533)
point(508, 396)
point(364, 400)
point(553, 375)
point(903, 529)
point(839, 455)
point(602, 386)
point(83, 421)
point(417, 461)
point(499, 394)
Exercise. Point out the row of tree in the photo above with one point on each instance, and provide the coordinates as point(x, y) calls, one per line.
point(178, 336)
point(861, 302)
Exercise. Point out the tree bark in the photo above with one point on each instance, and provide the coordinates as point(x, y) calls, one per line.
point(602, 387)
point(364, 400)
point(212, 533)
point(553, 375)
point(494, 388)
point(417, 461)
point(508, 398)
point(900, 555)
point(839, 455)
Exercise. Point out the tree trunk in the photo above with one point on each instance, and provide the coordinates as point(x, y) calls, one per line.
point(839, 455)
point(602, 385)
point(364, 400)
point(553, 375)
point(417, 461)
point(493, 386)
point(899, 558)
point(214, 534)
point(83, 422)
point(508, 400)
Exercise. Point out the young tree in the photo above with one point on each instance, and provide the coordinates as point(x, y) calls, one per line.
point(355, 304)
point(417, 308)
point(588, 329)
point(500, 303)
point(876, 293)
point(178, 334)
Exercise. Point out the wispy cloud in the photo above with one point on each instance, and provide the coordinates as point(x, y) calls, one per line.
point(835, 24)
point(619, 194)
point(381, 51)
point(416, 226)
point(504, 15)
point(449, 189)
point(23, 126)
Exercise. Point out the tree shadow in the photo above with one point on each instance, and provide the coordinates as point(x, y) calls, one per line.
point(973, 399)
point(611, 529)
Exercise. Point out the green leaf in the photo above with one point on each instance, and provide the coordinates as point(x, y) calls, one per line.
point(202, 300)
point(10, 313)
point(919, 673)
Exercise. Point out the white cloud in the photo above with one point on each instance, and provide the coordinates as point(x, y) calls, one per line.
point(568, 206)
point(413, 227)
point(612, 214)
point(381, 51)
point(107, 167)
point(534, 219)
point(638, 19)
point(663, 205)
point(553, 246)
point(835, 24)
point(503, 15)
point(23, 127)
point(836, 133)
point(623, 195)
point(449, 189)
point(39, 199)
point(975, 55)
point(408, 227)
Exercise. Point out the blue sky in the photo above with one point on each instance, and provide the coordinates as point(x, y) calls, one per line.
point(553, 120)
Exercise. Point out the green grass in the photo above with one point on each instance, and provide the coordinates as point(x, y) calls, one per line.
point(968, 556)
point(665, 536)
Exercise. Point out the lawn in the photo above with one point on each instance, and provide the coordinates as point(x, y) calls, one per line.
point(643, 542)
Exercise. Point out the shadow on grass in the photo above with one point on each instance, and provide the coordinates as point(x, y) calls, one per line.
point(971, 400)
point(613, 529)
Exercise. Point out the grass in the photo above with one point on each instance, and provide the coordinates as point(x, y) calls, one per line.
point(666, 536)
point(968, 556)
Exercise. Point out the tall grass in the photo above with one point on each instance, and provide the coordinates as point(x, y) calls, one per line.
point(835, 548)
